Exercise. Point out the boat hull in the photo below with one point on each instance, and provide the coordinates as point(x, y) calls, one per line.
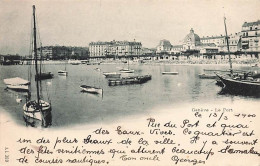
point(112, 75)
point(129, 80)
point(244, 87)
point(44, 76)
point(90, 89)
point(126, 71)
point(207, 76)
point(22, 88)
point(170, 73)
point(30, 110)
point(63, 73)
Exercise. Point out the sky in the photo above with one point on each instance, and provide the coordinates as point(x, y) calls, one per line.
point(79, 22)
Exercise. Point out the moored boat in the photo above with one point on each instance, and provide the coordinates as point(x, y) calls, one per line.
point(18, 87)
point(126, 71)
point(91, 89)
point(74, 62)
point(17, 84)
point(43, 76)
point(111, 74)
point(62, 72)
point(239, 83)
point(170, 73)
point(129, 80)
point(37, 109)
point(207, 76)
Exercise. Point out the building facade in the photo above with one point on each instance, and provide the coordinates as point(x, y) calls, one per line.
point(176, 49)
point(241, 43)
point(63, 52)
point(115, 49)
point(164, 46)
point(212, 39)
point(234, 41)
point(250, 37)
point(191, 41)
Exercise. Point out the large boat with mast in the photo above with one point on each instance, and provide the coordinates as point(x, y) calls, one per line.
point(42, 75)
point(239, 83)
point(37, 109)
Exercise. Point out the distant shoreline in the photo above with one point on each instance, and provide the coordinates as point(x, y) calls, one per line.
point(251, 62)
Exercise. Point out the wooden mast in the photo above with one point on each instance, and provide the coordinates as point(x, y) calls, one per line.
point(36, 67)
point(35, 55)
point(229, 57)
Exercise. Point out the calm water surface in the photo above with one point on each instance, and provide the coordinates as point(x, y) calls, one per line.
point(72, 107)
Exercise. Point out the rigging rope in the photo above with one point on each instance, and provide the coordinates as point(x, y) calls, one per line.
point(41, 65)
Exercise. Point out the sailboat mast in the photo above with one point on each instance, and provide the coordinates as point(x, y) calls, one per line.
point(41, 61)
point(229, 57)
point(35, 55)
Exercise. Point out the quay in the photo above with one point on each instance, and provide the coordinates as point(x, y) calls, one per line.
point(129, 80)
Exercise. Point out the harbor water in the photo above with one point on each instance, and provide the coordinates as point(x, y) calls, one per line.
point(72, 107)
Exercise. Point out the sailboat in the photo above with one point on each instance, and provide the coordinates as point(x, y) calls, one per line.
point(43, 75)
point(63, 72)
point(127, 70)
point(239, 83)
point(37, 109)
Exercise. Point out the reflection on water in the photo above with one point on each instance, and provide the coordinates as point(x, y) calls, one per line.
point(37, 123)
point(72, 107)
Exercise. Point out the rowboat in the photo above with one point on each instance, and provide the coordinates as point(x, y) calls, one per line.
point(17, 84)
point(170, 73)
point(91, 89)
point(62, 72)
point(207, 76)
point(126, 71)
point(111, 75)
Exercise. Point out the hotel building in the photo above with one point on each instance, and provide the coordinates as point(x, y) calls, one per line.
point(115, 49)
point(250, 37)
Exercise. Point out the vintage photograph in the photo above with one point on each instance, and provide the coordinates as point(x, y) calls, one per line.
point(86, 65)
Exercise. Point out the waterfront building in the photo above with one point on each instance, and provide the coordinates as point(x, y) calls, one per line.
point(63, 52)
point(177, 49)
point(212, 39)
point(115, 49)
point(10, 59)
point(234, 43)
point(148, 51)
point(191, 41)
point(209, 48)
point(47, 52)
point(250, 37)
point(164, 47)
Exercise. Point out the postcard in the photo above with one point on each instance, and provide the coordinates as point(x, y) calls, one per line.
point(112, 83)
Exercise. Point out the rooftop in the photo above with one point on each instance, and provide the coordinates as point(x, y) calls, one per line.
point(165, 43)
point(115, 43)
point(211, 37)
point(246, 24)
